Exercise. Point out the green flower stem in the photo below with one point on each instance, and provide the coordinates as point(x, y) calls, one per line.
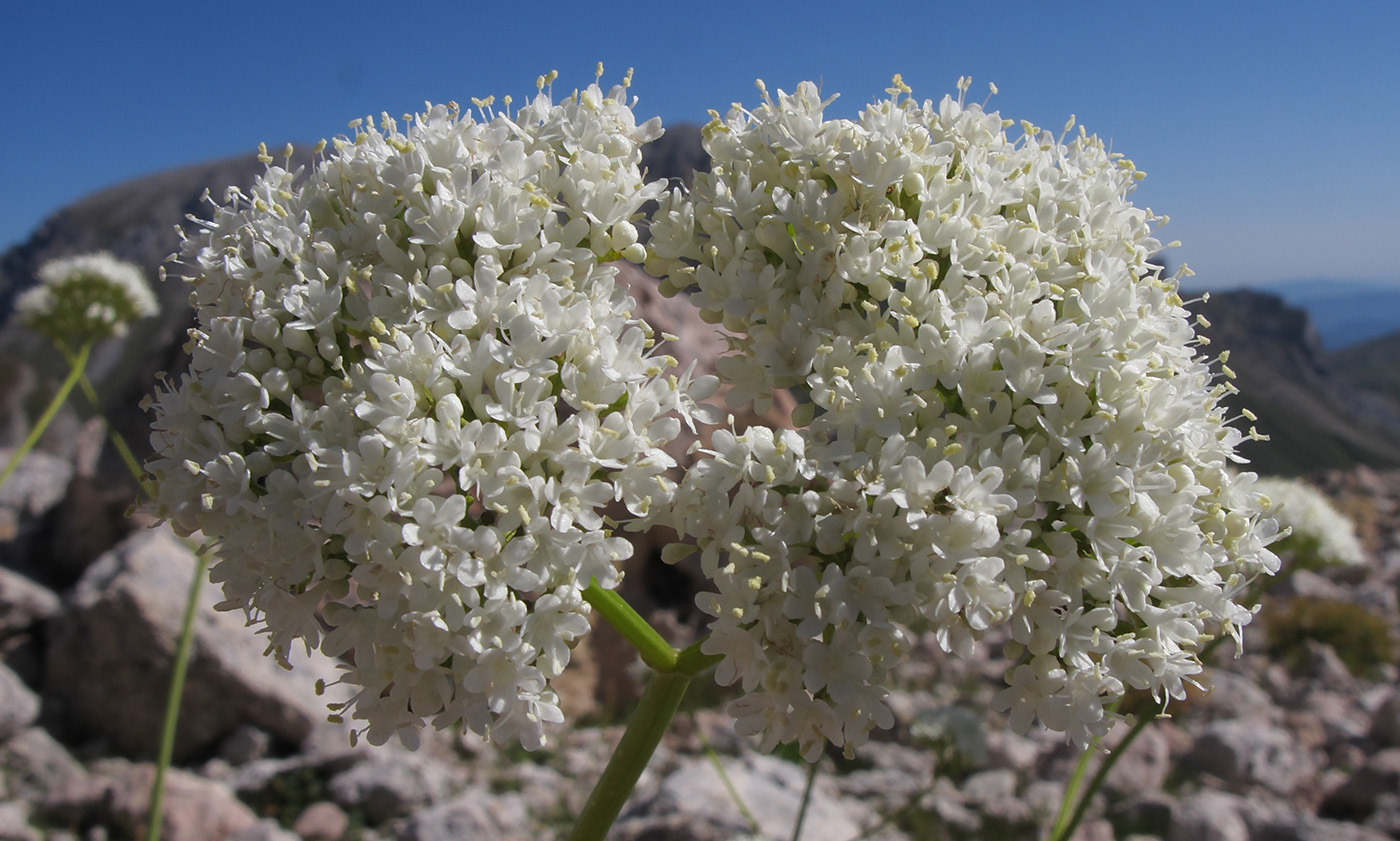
point(806, 801)
point(79, 363)
point(1064, 831)
point(132, 465)
point(1062, 826)
point(673, 673)
point(724, 778)
point(649, 723)
point(172, 701)
point(655, 651)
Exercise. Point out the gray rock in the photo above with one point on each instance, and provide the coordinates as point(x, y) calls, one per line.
point(15, 825)
point(122, 622)
point(1008, 749)
point(1357, 797)
point(256, 780)
point(771, 790)
point(1305, 582)
point(1341, 718)
point(19, 706)
point(1306, 827)
point(993, 794)
point(896, 777)
point(116, 795)
point(548, 791)
point(1143, 766)
point(266, 829)
point(1208, 816)
point(245, 744)
point(35, 487)
point(1386, 817)
point(1094, 830)
point(1147, 813)
point(474, 813)
point(322, 821)
point(33, 764)
point(1385, 722)
point(1232, 693)
point(391, 784)
point(1321, 663)
point(1251, 752)
point(945, 805)
point(23, 603)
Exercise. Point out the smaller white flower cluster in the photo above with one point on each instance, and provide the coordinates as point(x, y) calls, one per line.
point(1318, 531)
point(1007, 421)
point(414, 389)
point(86, 297)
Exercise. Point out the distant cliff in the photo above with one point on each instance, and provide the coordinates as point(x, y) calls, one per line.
point(1315, 419)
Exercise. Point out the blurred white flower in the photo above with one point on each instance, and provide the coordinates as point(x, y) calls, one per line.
point(86, 297)
point(1318, 531)
point(414, 387)
point(1008, 422)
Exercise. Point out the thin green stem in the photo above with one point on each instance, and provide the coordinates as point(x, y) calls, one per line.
point(78, 364)
point(1100, 775)
point(1070, 798)
point(806, 800)
point(724, 777)
point(655, 651)
point(172, 701)
point(1066, 821)
point(649, 723)
point(128, 458)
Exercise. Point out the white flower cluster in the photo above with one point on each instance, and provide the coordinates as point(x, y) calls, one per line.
point(1317, 528)
point(1007, 421)
point(86, 297)
point(414, 389)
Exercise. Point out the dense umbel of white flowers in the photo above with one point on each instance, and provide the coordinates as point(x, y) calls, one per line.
point(1316, 527)
point(86, 297)
point(1009, 423)
point(413, 390)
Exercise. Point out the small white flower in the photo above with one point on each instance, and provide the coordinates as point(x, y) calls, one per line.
point(86, 297)
point(1318, 531)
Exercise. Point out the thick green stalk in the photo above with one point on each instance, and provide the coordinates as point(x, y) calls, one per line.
point(673, 672)
point(172, 701)
point(649, 723)
point(79, 363)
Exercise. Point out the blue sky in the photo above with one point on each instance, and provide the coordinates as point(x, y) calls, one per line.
point(1268, 131)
